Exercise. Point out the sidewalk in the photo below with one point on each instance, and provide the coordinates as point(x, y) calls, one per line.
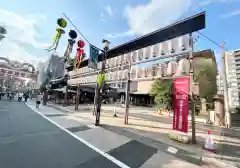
point(131, 152)
point(152, 131)
point(145, 110)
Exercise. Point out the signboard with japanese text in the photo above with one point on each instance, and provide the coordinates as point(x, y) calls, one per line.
point(180, 104)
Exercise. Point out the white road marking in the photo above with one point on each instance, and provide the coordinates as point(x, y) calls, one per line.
point(109, 157)
point(172, 150)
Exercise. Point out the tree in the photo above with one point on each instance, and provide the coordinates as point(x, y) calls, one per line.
point(205, 74)
point(162, 91)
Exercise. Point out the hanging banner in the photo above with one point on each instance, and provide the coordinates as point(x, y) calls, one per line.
point(93, 58)
point(180, 104)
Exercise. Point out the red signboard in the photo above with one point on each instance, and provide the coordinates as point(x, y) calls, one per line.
point(180, 104)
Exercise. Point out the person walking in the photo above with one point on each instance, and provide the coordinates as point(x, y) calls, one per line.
point(20, 96)
point(26, 95)
point(38, 99)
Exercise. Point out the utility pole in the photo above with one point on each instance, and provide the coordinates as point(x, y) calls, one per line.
point(127, 97)
point(225, 89)
point(191, 73)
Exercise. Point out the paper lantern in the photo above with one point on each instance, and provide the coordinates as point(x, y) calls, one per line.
point(80, 44)
point(171, 68)
point(72, 34)
point(62, 22)
point(183, 67)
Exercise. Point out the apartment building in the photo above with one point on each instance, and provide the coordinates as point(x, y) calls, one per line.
point(232, 63)
point(219, 84)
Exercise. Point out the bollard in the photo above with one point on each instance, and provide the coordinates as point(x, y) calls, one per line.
point(115, 112)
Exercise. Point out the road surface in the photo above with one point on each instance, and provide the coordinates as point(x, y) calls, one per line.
point(27, 140)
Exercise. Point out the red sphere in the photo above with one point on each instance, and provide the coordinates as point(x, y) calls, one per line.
point(80, 43)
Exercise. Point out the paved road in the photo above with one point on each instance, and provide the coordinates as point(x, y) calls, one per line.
point(29, 141)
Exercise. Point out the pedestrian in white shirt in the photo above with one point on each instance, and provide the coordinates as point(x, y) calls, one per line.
point(20, 95)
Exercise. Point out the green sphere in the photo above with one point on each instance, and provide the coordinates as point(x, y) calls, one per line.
point(3, 30)
point(62, 22)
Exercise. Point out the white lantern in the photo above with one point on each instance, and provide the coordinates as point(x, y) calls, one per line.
point(171, 68)
point(183, 67)
point(134, 56)
point(133, 73)
point(140, 54)
point(163, 69)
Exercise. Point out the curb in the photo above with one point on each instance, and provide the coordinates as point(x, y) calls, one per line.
point(216, 162)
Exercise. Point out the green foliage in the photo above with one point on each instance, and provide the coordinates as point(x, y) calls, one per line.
point(162, 91)
point(205, 74)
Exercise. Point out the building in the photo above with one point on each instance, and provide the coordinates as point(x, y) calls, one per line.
point(54, 67)
point(15, 75)
point(232, 63)
point(167, 48)
point(219, 84)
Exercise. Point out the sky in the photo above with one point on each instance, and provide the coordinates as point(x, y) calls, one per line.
point(31, 24)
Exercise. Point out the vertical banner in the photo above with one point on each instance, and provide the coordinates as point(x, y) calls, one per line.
point(180, 104)
point(93, 58)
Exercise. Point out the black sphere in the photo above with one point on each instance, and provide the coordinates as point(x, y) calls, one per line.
point(72, 34)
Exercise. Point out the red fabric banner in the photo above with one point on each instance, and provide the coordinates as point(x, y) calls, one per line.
point(180, 104)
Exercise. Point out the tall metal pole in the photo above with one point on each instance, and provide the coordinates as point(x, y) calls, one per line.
point(77, 98)
point(127, 97)
point(225, 89)
point(95, 99)
point(191, 73)
point(98, 93)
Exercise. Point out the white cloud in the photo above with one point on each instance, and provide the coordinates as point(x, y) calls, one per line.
point(109, 10)
point(231, 14)
point(124, 34)
point(143, 19)
point(13, 51)
point(20, 28)
point(21, 32)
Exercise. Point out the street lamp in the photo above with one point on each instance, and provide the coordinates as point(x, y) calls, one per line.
point(106, 44)
point(100, 81)
point(3, 31)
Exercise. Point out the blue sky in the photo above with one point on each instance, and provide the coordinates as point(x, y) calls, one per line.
point(31, 24)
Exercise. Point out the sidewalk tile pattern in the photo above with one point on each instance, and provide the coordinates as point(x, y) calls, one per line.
point(80, 128)
point(103, 139)
point(133, 153)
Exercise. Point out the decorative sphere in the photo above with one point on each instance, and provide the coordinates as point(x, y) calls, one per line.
point(80, 50)
point(80, 44)
point(3, 30)
point(62, 22)
point(72, 34)
point(61, 31)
